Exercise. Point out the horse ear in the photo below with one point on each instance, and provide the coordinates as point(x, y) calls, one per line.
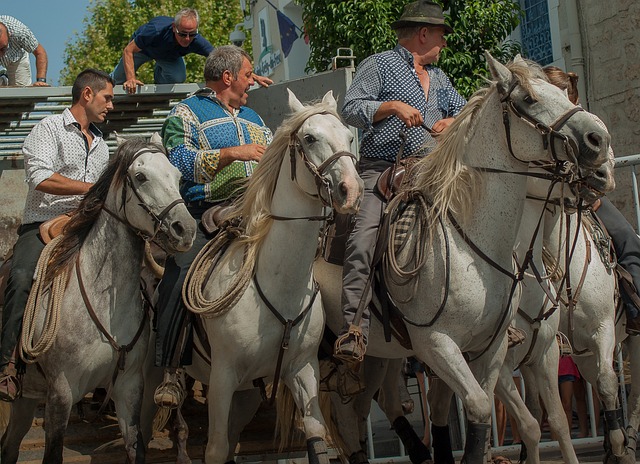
point(294, 103)
point(119, 140)
point(499, 73)
point(328, 98)
point(518, 59)
point(155, 138)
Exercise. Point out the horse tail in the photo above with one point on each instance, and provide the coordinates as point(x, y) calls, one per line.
point(287, 417)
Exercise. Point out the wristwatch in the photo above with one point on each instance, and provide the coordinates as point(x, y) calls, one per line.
point(41, 79)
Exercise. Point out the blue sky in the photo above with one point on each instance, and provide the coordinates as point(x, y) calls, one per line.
point(54, 23)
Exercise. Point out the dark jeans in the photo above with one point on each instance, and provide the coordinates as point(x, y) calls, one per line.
point(171, 314)
point(26, 252)
point(627, 246)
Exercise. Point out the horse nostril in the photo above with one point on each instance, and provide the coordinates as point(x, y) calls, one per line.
point(593, 139)
point(177, 228)
point(343, 187)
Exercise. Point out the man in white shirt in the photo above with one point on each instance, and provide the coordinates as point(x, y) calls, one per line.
point(64, 155)
point(16, 42)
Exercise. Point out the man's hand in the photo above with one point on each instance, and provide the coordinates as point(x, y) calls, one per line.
point(406, 113)
point(40, 84)
point(441, 125)
point(131, 85)
point(262, 80)
point(249, 152)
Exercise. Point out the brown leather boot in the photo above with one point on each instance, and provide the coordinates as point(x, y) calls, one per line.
point(10, 387)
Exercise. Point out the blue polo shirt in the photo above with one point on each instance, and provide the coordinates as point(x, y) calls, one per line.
point(156, 40)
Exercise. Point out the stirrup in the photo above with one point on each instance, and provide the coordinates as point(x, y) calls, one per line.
point(515, 336)
point(351, 346)
point(170, 393)
point(10, 386)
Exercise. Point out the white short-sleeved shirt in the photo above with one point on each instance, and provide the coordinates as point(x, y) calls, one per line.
point(57, 145)
point(21, 40)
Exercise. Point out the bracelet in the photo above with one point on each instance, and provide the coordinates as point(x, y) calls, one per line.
point(41, 79)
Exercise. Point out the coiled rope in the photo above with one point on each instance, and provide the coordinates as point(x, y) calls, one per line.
point(201, 269)
point(32, 346)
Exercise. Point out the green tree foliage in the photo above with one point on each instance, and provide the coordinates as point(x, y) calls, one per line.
point(364, 26)
point(110, 24)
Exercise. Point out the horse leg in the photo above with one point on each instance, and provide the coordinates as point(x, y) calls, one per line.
point(633, 348)
point(20, 421)
point(509, 396)
point(181, 433)
point(304, 386)
point(486, 370)
point(545, 375)
point(345, 426)
point(244, 407)
point(219, 398)
point(439, 398)
point(127, 397)
point(391, 404)
point(601, 374)
point(57, 411)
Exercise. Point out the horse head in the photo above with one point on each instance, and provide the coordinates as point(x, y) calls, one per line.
point(323, 143)
point(148, 199)
point(530, 102)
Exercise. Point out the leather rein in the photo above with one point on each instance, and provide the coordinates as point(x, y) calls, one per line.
point(558, 173)
point(122, 350)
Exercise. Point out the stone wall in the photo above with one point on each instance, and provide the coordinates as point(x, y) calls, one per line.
point(611, 47)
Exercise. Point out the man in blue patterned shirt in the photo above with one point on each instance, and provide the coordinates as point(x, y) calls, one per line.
point(396, 90)
point(215, 141)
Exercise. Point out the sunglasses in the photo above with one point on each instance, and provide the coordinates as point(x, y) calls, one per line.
point(186, 34)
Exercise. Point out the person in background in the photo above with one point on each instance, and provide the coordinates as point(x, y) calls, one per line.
point(214, 140)
point(64, 154)
point(625, 240)
point(16, 43)
point(166, 40)
point(395, 90)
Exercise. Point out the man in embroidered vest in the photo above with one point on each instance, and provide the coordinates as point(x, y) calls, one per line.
point(396, 90)
point(64, 155)
point(215, 141)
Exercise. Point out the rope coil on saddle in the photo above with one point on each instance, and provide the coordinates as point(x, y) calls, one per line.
point(31, 346)
point(201, 269)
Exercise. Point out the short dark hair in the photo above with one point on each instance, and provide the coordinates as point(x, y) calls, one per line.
point(224, 58)
point(95, 79)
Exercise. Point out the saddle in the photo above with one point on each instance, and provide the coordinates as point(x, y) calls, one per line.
point(391, 182)
point(53, 227)
point(214, 217)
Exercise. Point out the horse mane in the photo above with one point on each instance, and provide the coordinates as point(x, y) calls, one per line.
point(83, 218)
point(253, 206)
point(452, 185)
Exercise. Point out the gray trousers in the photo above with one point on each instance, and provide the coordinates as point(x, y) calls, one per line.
point(361, 246)
point(26, 253)
point(627, 246)
point(172, 320)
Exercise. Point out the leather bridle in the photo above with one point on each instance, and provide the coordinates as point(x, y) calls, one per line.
point(549, 133)
point(323, 185)
point(158, 219)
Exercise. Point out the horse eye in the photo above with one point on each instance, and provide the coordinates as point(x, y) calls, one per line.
point(309, 138)
point(529, 99)
point(140, 177)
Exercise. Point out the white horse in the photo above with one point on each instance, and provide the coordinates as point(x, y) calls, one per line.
point(588, 318)
point(460, 300)
point(270, 321)
point(103, 329)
